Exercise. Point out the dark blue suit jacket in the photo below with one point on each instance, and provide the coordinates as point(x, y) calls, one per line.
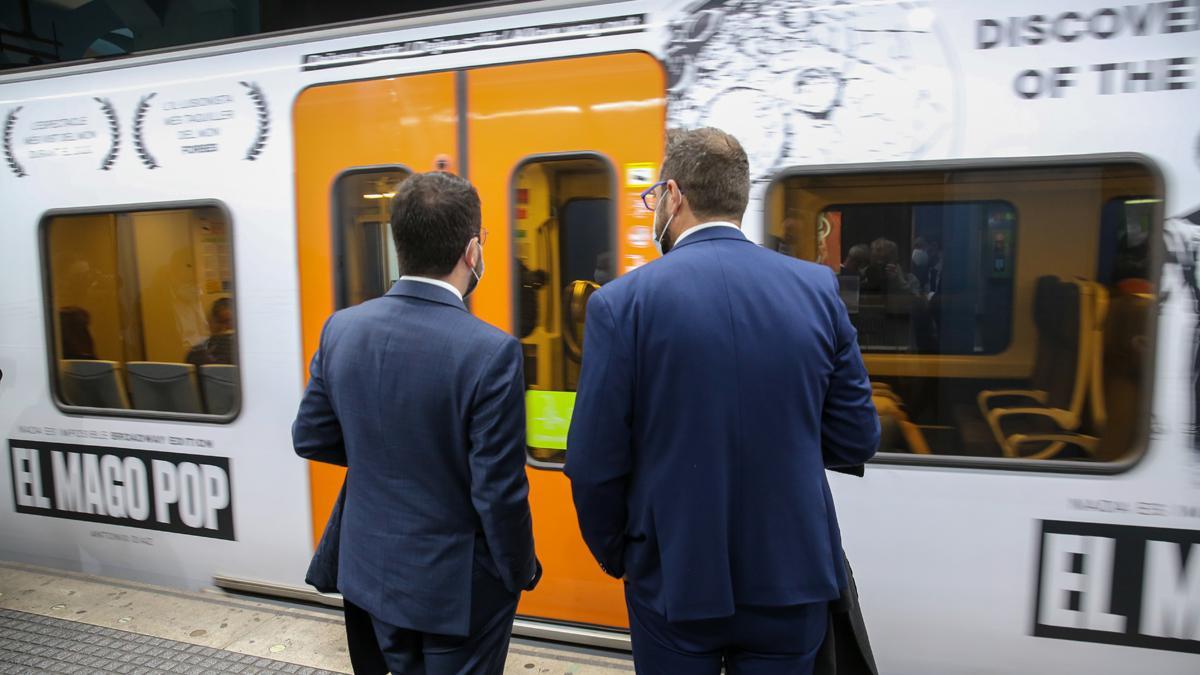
point(425, 404)
point(718, 383)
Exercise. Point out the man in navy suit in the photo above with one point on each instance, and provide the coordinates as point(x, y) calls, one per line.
point(424, 404)
point(718, 384)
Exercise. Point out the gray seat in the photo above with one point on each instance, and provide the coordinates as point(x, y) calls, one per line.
point(169, 387)
point(220, 386)
point(93, 384)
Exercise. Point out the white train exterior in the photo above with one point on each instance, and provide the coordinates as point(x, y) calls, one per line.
point(961, 568)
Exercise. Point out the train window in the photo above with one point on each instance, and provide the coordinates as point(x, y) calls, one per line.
point(365, 265)
point(1003, 313)
point(141, 314)
point(565, 229)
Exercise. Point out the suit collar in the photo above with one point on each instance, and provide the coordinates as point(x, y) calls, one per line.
point(710, 234)
point(424, 291)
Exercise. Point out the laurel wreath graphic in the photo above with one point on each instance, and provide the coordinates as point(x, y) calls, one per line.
point(264, 120)
point(9, 123)
point(114, 128)
point(139, 141)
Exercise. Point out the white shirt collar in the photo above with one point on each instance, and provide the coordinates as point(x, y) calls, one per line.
point(703, 226)
point(436, 282)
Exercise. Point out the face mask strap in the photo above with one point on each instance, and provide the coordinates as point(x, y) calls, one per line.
point(477, 275)
point(659, 235)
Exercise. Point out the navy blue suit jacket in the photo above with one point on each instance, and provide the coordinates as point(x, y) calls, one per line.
point(718, 384)
point(425, 405)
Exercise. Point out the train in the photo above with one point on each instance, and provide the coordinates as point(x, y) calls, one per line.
point(1009, 194)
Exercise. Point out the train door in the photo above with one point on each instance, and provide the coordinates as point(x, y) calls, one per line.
point(559, 151)
point(353, 142)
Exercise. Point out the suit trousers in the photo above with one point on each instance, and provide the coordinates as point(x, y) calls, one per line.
point(482, 651)
point(754, 641)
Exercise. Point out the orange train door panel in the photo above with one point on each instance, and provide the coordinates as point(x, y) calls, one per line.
point(402, 123)
point(610, 108)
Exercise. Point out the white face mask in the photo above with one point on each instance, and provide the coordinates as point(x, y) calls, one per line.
point(477, 274)
point(920, 258)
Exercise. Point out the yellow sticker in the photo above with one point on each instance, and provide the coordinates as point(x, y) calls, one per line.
point(640, 174)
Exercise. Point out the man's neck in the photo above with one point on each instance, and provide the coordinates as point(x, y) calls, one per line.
point(447, 282)
point(700, 225)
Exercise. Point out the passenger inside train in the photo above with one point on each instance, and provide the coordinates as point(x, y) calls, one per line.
point(221, 345)
point(1002, 314)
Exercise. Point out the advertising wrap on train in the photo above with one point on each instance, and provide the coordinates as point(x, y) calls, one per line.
point(170, 492)
point(1118, 584)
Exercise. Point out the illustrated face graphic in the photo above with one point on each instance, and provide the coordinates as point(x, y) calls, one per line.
point(811, 81)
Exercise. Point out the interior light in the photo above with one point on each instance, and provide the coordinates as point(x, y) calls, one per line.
point(1144, 201)
point(380, 195)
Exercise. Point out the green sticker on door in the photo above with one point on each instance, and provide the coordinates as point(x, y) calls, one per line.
point(547, 418)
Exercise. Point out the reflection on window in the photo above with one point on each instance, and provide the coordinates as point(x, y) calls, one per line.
point(142, 310)
point(932, 278)
point(564, 230)
point(982, 342)
point(1125, 227)
point(366, 256)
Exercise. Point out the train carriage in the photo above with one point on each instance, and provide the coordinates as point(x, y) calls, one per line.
point(1008, 194)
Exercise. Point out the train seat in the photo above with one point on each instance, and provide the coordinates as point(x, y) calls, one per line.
point(169, 387)
point(219, 384)
point(1069, 317)
point(93, 383)
point(1046, 302)
point(1115, 387)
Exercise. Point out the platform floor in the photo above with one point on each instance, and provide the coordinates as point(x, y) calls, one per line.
point(63, 622)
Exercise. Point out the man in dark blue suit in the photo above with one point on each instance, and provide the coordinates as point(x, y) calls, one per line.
point(718, 384)
point(424, 404)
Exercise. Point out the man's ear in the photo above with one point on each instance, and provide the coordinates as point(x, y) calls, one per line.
point(471, 254)
point(676, 195)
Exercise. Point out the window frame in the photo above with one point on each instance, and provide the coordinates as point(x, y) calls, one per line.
point(1157, 258)
point(514, 282)
point(336, 230)
point(48, 310)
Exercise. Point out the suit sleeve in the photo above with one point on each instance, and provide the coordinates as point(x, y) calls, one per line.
point(499, 487)
point(849, 423)
point(599, 456)
point(316, 433)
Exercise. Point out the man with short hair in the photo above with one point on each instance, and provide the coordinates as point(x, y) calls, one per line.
point(857, 259)
point(424, 404)
point(220, 347)
point(717, 385)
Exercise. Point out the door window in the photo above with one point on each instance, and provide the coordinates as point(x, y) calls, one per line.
point(564, 230)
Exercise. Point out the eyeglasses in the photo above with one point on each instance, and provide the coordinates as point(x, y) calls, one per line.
point(482, 235)
point(650, 197)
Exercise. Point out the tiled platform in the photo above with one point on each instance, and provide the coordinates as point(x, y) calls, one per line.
point(33, 643)
point(63, 622)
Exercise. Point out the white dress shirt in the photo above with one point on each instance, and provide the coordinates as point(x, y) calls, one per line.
point(436, 282)
point(703, 226)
